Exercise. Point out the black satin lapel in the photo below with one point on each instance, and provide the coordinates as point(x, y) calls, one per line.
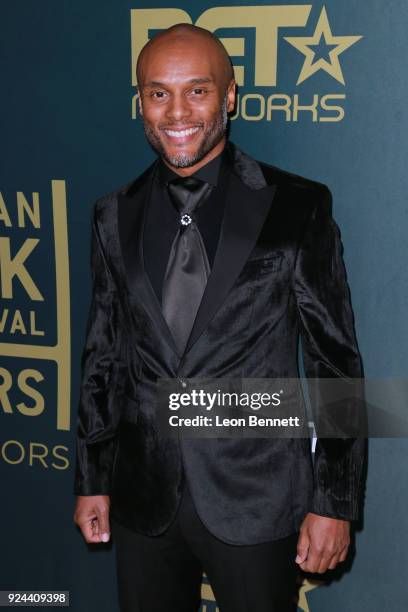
point(132, 205)
point(245, 212)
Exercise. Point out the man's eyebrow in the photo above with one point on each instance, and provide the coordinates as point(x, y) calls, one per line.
point(201, 80)
point(153, 84)
point(195, 81)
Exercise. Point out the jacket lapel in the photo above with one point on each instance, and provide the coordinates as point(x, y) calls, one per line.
point(248, 202)
point(246, 207)
point(132, 206)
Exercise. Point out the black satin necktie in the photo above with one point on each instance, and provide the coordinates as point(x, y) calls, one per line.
point(188, 267)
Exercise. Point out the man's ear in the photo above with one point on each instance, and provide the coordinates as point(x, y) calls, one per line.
point(231, 95)
point(140, 104)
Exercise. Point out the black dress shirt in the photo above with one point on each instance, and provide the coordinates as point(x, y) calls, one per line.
point(162, 219)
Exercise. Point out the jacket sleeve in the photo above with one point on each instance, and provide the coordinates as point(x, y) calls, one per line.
point(330, 350)
point(98, 414)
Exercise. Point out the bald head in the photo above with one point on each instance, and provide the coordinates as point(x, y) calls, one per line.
point(187, 88)
point(189, 36)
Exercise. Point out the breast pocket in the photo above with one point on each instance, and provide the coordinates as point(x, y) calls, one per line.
point(265, 264)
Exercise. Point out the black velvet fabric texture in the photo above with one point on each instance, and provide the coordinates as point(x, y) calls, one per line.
point(278, 272)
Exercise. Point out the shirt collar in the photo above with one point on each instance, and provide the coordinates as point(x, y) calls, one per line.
point(208, 173)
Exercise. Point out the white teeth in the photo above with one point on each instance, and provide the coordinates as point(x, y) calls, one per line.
point(182, 133)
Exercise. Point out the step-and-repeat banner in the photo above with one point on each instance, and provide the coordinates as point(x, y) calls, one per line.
point(322, 93)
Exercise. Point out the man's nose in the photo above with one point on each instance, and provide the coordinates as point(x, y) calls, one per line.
point(178, 108)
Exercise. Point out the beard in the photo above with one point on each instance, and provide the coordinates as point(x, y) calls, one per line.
point(211, 137)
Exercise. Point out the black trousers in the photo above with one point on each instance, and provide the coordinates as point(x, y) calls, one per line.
point(164, 573)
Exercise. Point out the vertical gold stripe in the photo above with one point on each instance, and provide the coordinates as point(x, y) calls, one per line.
point(63, 347)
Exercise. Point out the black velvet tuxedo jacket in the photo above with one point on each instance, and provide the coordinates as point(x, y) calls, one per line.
point(278, 272)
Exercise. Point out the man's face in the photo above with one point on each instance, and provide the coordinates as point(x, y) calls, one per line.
point(185, 98)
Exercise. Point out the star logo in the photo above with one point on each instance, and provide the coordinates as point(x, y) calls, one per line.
point(307, 585)
point(322, 42)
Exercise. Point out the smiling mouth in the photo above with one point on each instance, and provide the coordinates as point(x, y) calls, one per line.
point(181, 133)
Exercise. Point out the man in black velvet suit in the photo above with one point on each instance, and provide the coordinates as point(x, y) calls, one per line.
point(210, 264)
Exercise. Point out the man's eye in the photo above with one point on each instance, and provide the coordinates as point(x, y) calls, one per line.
point(157, 94)
point(199, 90)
